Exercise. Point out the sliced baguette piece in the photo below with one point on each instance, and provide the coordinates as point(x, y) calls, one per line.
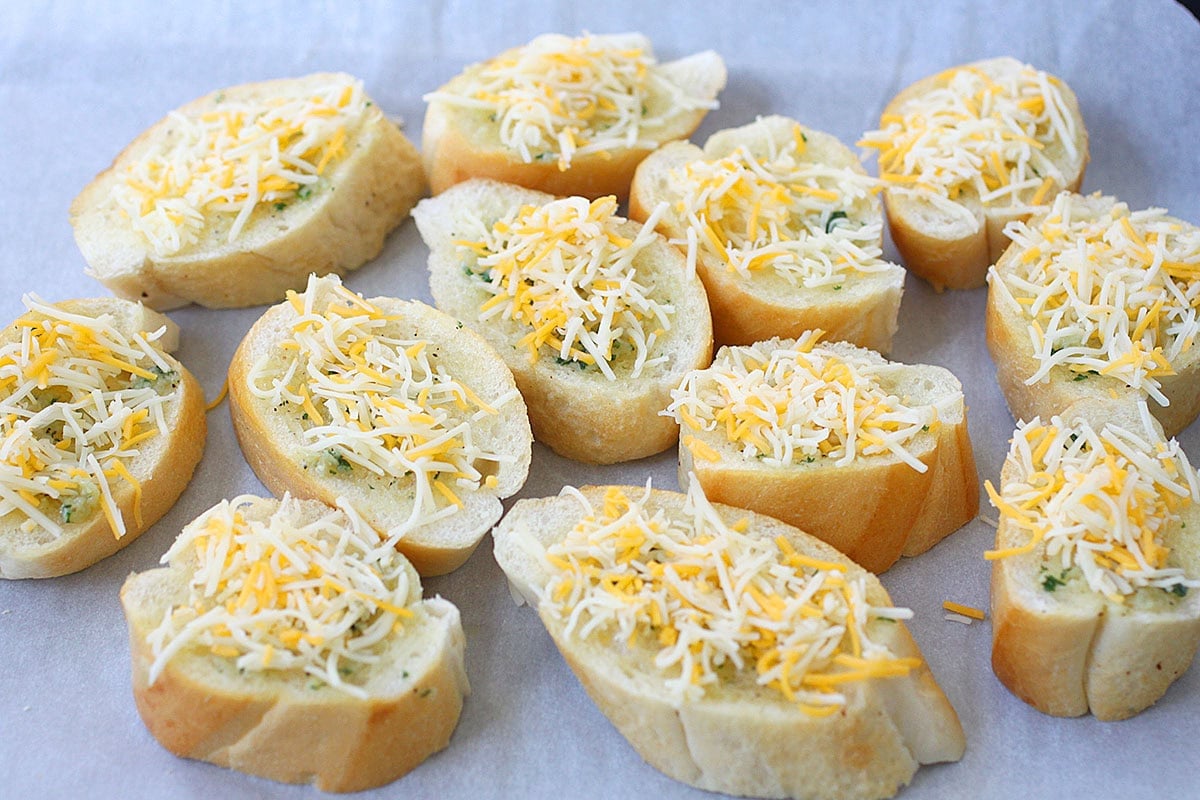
point(473, 124)
point(946, 213)
point(784, 403)
point(796, 282)
point(738, 734)
point(360, 178)
point(575, 409)
point(434, 454)
point(204, 695)
point(1057, 643)
point(64, 508)
point(1042, 378)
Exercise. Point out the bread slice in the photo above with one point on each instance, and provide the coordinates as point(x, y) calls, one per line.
point(764, 428)
point(824, 270)
point(474, 124)
point(575, 407)
point(352, 178)
point(945, 211)
point(1058, 643)
point(78, 480)
point(423, 439)
point(1098, 345)
point(207, 694)
point(732, 731)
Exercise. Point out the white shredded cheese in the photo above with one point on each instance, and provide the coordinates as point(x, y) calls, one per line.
point(371, 402)
point(778, 212)
point(786, 401)
point(276, 595)
point(1100, 502)
point(218, 166)
point(564, 272)
point(77, 398)
point(708, 597)
point(559, 97)
point(1106, 291)
point(984, 132)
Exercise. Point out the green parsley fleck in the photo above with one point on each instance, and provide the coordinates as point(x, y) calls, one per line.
point(834, 218)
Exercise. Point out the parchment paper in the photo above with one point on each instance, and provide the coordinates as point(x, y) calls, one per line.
point(76, 86)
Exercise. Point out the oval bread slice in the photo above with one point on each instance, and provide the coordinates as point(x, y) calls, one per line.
point(463, 132)
point(357, 184)
point(828, 195)
point(58, 516)
point(874, 507)
point(1060, 645)
point(478, 450)
point(737, 735)
point(947, 213)
point(1145, 345)
point(283, 723)
point(574, 408)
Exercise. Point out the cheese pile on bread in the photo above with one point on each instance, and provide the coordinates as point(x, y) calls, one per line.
point(785, 229)
point(289, 640)
point(1096, 575)
point(387, 403)
point(565, 115)
point(1095, 300)
point(967, 150)
point(100, 430)
point(239, 195)
point(868, 455)
point(693, 624)
point(595, 315)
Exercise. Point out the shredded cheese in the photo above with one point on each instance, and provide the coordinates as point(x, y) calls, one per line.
point(786, 401)
point(1101, 502)
point(988, 131)
point(78, 399)
point(774, 210)
point(218, 165)
point(1106, 291)
point(569, 279)
point(961, 610)
point(372, 403)
point(277, 595)
point(559, 98)
point(708, 597)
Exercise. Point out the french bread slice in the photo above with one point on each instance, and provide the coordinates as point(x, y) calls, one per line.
point(1101, 343)
point(823, 270)
point(946, 212)
point(208, 695)
point(346, 184)
point(575, 408)
point(610, 81)
point(80, 480)
point(423, 439)
point(1057, 642)
point(764, 428)
point(732, 731)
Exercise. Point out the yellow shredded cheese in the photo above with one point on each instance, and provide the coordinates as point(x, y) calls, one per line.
point(373, 404)
point(78, 398)
point(986, 132)
point(1106, 291)
point(959, 608)
point(787, 401)
point(778, 212)
point(707, 597)
point(566, 276)
point(320, 597)
point(558, 98)
point(1099, 503)
point(221, 164)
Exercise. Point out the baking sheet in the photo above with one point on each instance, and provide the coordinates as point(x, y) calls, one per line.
point(76, 86)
